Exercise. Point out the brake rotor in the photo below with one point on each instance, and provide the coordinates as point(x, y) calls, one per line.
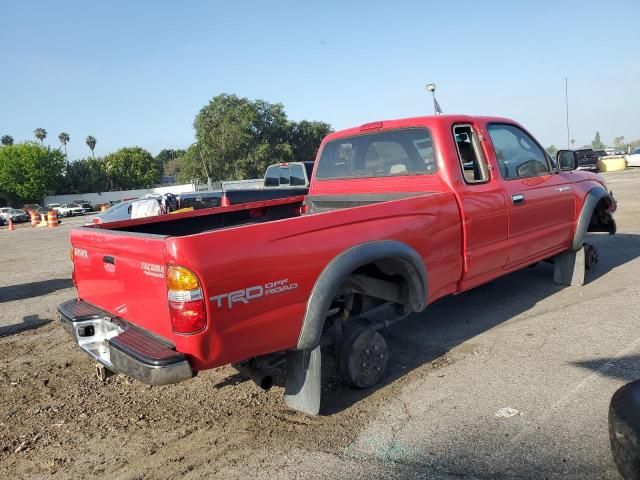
point(363, 357)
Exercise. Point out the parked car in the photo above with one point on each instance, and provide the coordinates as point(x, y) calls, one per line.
point(109, 203)
point(33, 206)
point(53, 206)
point(115, 213)
point(392, 222)
point(633, 159)
point(70, 210)
point(587, 159)
point(16, 215)
point(610, 151)
point(87, 206)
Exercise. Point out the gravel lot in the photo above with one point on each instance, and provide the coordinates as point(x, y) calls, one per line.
point(554, 354)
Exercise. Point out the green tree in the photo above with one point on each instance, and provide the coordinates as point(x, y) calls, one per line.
point(7, 140)
point(618, 143)
point(237, 138)
point(169, 154)
point(552, 150)
point(86, 175)
point(187, 167)
point(133, 167)
point(40, 134)
point(29, 170)
point(305, 138)
point(597, 144)
point(91, 143)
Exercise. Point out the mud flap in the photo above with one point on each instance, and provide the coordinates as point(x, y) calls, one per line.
point(569, 268)
point(303, 381)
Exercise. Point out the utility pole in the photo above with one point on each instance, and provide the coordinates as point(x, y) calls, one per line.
point(566, 102)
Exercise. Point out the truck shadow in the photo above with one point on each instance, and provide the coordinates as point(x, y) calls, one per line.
point(30, 322)
point(33, 289)
point(623, 368)
point(428, 341)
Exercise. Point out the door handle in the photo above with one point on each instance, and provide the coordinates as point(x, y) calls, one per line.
point(517, 199)
point(109, 259)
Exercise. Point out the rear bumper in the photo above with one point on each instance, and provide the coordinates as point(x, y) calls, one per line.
point(122, 347)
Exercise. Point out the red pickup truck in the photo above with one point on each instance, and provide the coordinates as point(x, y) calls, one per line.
point(399, 213)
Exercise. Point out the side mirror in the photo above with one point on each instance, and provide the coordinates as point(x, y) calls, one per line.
point(567, 160)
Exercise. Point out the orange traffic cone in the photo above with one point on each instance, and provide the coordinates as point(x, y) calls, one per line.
point(11, 227)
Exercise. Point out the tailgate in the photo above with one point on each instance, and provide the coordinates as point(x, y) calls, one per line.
point(123, 274)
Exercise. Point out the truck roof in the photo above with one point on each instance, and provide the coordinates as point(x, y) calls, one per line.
point(429, 120)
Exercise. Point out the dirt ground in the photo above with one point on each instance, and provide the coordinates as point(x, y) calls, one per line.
point(555, 355)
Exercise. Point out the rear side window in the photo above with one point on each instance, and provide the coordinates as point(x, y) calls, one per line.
point(297, 176)
point(284, 175)
point(391, 153)
point(474, 167)
point(272, 176)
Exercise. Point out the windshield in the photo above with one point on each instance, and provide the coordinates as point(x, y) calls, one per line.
point(15, 210)
point(389, 153)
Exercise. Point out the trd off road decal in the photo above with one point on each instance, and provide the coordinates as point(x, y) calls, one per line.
point(249, 294)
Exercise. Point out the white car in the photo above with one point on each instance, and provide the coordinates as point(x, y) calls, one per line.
point(69, 210)
point(633, 159)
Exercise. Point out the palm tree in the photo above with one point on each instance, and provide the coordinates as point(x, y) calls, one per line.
point(7, 140)
point(40, 134)
point(64, 139)
point(91, 142)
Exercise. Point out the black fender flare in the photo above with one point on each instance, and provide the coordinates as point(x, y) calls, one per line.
point(591, 200)
point(337, 271)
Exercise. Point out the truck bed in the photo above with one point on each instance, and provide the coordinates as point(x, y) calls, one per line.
point(206, 220)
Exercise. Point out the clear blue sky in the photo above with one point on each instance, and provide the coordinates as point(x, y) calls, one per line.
point(137, 72)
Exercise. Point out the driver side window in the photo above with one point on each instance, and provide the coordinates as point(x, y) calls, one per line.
point(518, 155)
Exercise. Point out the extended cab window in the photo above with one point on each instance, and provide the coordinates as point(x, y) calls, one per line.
point(394, 152)
point(474, 167)
point(272, 176)
point(284, 175)
point(518, 155)
point(297, 176)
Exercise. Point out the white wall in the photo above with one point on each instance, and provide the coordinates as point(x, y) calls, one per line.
point(102, 197)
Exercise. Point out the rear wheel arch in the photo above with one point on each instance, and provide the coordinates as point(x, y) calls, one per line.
point(391, 256)
point(597, 201)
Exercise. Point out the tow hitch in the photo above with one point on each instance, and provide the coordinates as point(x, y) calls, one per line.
point(591, 256)
point(103, 372)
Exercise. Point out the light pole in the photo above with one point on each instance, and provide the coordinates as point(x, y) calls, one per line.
point(431, 87)
point(566, 103)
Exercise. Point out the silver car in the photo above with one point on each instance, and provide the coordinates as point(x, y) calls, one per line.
point(115, 213)
point(14, 214)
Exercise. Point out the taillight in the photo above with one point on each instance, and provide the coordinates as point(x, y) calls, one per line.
point(186, 302)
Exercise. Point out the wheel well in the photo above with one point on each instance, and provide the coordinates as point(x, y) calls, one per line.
point(390, 280)
point(601, 220)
